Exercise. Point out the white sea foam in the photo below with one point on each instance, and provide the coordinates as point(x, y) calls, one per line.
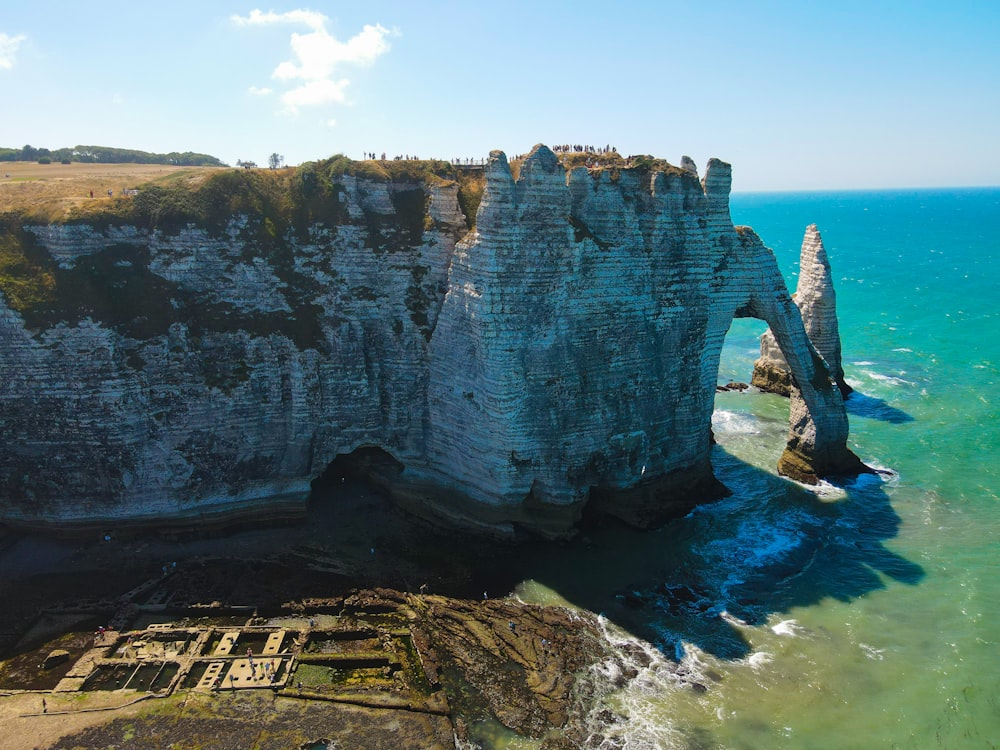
point(759, 659)
point(756, 540)
point(875, 654)
point(827, 491)
point(883, 474)
point(756, 543)
point(733, 620)
point(639, 719)
point(734, 423)
point(891, 379)
point(787, 627)
point(762, 544)
point(903, 349)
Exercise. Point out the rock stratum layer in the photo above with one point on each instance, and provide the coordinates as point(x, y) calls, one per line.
point(562, 353)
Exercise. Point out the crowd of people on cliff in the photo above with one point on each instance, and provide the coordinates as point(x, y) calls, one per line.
point(579, 149)
point(467, 161)
point(563, 148)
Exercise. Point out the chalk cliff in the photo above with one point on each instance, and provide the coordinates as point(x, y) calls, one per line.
point(563, 353)
point(817, 302)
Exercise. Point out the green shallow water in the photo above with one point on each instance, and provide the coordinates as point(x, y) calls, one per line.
point(857, 617)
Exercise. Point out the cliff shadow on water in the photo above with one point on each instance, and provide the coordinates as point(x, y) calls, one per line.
point(860, 405)
point(772, 546)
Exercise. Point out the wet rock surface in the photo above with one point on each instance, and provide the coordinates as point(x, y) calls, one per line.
point(519, 660)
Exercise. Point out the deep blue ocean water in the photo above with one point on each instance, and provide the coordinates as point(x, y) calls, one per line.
point(862, 616)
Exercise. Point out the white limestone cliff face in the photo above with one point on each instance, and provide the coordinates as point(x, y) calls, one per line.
point(232, 383)
point(817, 302)
point(563, 353)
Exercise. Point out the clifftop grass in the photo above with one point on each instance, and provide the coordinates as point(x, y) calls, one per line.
point(286, 197)
point(276, 202)
point(55, 193)
point(47, 193)
point(171, 197)
point(114, 286)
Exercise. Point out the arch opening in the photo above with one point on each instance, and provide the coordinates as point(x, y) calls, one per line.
point(746, 422)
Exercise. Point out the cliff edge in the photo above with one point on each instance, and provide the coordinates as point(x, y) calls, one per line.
point(179, 364)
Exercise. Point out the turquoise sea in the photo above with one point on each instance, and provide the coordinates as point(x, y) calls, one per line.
point(862, 616)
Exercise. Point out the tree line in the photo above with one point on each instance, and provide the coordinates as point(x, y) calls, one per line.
point(108, 155)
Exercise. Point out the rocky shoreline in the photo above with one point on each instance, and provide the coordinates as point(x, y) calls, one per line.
point(436, 661)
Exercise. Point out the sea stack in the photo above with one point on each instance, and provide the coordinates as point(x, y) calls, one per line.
point(817, 302)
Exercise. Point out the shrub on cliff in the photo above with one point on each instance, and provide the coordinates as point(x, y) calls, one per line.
point(470, 194)
point(396, 170)
point(163, 206)
point(24, 281)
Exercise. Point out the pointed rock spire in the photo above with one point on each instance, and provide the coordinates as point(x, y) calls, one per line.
point(817, 303)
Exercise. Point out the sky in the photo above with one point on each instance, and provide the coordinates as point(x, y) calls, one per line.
point(795, 95)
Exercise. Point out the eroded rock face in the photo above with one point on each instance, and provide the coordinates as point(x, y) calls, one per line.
point(817, 302)
point(565, 351)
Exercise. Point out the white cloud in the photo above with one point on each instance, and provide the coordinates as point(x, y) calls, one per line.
point(8, 49)
point(260, 91)
point(313, 93)
point(310, 18)
point(317, 56)
point(331, 123)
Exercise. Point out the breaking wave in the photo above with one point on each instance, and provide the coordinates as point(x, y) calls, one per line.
point(735, 423)
point(626, 709)
point(889, 379)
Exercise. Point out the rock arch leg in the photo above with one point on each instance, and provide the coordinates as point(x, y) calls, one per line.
point(818, 429)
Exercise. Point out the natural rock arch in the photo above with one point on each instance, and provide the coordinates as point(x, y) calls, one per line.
point(565, 350)
point(611, 293)
point(818, 426)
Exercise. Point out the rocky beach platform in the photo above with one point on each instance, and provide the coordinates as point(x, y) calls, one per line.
point(359, 628)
